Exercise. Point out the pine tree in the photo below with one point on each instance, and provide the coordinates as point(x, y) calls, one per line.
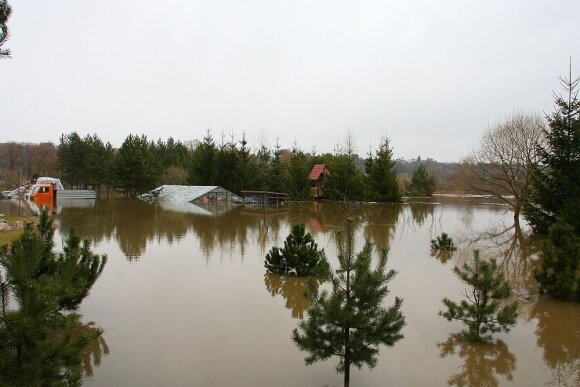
point(203, 162)
point(72, 152)
point(246, 167)
point(344, 181)
point(226, 162)
point(559, 275)
point(137, 167)
point(556, 182)
point(298, 183)
point(350, 321)
point(39, 344)
point(263, 161)
point(300, 256)
point(442, 243)
point(278, 173)
point(382, 177)
point(482, 312)
point(421, 183)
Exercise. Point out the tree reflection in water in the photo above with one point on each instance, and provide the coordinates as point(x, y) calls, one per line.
point(421, 211)
point(292, 289)
point(513, 249)
point(134, 224)
point(481, 362)
point(558, 334)
point(442, 255)
point(63, 355)
point(381, 223)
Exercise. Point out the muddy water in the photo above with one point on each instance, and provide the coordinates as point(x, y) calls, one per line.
point(184, 299)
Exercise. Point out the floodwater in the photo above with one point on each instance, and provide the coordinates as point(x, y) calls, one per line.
point(184, 299)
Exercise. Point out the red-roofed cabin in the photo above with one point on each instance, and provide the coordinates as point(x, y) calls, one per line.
point(317, 178)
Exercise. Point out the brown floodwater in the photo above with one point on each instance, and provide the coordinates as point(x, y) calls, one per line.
point(184, 299)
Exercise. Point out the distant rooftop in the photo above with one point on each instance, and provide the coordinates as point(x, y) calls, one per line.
point(316, 172)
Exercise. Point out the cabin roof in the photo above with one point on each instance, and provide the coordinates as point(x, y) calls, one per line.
point(317, 172)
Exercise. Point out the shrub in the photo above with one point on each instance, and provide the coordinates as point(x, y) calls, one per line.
point(300, 256)
point(442, 243)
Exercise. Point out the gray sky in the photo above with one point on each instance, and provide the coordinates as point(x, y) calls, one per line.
point(432, 75)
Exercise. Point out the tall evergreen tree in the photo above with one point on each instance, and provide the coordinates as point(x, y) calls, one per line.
point(137, 167)
point(246, 167)
point(556, 182)
point(382, 177)
point(263, 163)
point(298, 183)
point(98, 161)
point(350, 322)
point(72, 152)
point(176, 154)
point(203, 169)
point(344, 181)
point(226, 162)
point(421, 183)
point(559, 275)
point(277, 178)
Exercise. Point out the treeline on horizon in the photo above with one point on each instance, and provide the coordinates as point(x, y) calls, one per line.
point(141, 164)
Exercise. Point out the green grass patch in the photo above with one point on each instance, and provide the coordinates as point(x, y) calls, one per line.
point(7, 237)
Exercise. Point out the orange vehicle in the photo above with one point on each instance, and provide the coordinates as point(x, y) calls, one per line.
point(43, 194)
point(48, 189)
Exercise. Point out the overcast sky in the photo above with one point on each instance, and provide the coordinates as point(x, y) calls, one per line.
point(431, 75)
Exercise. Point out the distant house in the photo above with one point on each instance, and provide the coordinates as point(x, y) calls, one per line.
point(317, 179)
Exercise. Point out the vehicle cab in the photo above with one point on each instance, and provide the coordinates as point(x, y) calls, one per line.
point(42, 193)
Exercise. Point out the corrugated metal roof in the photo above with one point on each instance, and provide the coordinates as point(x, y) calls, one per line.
point(316, 172)
point(184, 193)
point(50, 180)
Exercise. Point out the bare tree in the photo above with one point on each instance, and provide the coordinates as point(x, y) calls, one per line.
point(500, 167)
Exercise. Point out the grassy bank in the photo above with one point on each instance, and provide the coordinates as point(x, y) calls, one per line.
point(7, 236)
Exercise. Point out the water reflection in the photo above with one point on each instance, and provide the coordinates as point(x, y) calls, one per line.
point(481, 362)
point(442, 255)
point(421, 212)
point(191, 354)
point(292, 289)
point(135, 224)
point(381, 223)
point(514, 250)
point(558, 335)
point(61, 356)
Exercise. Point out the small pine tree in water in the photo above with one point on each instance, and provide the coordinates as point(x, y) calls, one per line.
point(482, 312)
point(442, 243)
point(300, 256)
point(559, 275)
point(350, 322)
point(38, 344)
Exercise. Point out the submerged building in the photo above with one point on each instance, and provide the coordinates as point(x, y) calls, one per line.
point(200, 199)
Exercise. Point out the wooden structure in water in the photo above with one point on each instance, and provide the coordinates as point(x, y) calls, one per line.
point(317, 179)
point(265, 197)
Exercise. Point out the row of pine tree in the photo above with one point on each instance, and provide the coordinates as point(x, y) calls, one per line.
point(141, 164)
